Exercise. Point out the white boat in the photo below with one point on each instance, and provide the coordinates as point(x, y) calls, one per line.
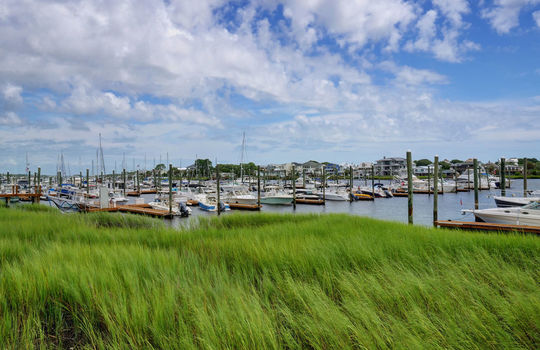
point(209, 203)
point(504, 202)
point(116, 197)
point(178, 209)
point(274, 196)
point(240, 197)
point(527, 215)
point(337, 195)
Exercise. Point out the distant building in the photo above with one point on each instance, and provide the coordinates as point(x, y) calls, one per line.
point(390, 166)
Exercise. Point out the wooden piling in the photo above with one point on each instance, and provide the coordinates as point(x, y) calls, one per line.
point(138, 182)
point(435, 190)
point(294, 188)
point(304, 178)
point(258, 186)
point(170, 187)
point(502, 179)
point(373, 181)
point(428, 180)
point(29, 181)
point(39, 183)
point(475, 174)
point(7, 175)
point(324, 185)
point(124, 179)
point(524, 177)
point(87, 182)
point(218, 192)
point(351, 183)
point(410, 187)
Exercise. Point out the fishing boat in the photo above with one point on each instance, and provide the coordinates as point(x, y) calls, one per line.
point(240, 197)
point(527, 215)
point(274, 196)
point(336, 195)
point(209, 203)
point(178, 209)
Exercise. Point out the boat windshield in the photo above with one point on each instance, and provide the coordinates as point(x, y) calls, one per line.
point(532, 205)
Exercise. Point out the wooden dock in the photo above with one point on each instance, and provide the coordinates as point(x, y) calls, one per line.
point(486, 226)
point(244, 206)
point(143, 209)
point(138, 193)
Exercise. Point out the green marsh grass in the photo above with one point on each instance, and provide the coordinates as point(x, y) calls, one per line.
point(262, 281)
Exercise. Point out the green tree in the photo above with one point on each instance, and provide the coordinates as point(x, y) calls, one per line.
point(422, 162)
point(455, 161)
point(160, 167)
point(445, 165)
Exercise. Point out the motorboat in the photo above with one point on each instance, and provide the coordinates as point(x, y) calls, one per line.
point(527, 215)
point(178, 209)
point(209, 203)
point(272, 195)
point(504, 202)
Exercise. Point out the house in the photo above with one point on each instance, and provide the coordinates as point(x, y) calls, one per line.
point(390, 166)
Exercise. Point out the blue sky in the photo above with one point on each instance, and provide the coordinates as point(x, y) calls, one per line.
point(341, 80)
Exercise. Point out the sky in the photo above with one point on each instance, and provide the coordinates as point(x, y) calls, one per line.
point(330, 80)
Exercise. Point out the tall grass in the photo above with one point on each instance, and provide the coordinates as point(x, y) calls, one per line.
point(262, 281)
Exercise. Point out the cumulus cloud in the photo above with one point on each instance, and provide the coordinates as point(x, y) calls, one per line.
point(443, 40)
point(536, 17)
point(504, 16)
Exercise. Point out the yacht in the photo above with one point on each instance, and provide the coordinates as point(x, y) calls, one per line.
point(504, 202)
point(527, 215)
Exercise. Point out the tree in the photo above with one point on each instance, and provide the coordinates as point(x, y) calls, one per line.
point(203, 166)
point(422, 162)
point(160, 167)
point(445, 165)
point(456, 161)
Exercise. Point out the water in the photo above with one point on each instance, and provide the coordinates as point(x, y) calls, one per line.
point(395, 209)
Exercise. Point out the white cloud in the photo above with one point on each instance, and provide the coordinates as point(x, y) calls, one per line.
point(11, 96)
point(536, 17)
point(443, 39)
point(354, 22)
point(505, 14)
point(10, 119)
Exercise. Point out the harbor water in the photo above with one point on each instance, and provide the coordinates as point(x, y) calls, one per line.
point(394, 209)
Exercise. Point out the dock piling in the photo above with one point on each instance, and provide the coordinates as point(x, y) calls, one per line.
point(87, 182)
point(259, 186)
point(502, 180)
point(170, 187)
point(294, 188)
point(435, 190)
point(475, 174)
point(218, 191)
point(524, 177)
point(409, 187)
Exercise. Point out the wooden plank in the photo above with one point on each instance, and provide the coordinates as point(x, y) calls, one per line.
point(244, 206)
point(486, 226)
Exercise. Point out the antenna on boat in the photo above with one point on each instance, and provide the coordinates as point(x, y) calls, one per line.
point(27, 163)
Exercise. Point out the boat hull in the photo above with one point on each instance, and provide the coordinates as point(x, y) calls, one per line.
point(277, 200)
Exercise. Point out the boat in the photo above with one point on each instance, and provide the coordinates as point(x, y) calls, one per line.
point(178, 209)
point(505, 202)
point(209, 203)
point(239, 197)
point(273, 196)
point(527, 215)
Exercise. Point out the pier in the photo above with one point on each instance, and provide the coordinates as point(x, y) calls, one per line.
point(486, 226)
